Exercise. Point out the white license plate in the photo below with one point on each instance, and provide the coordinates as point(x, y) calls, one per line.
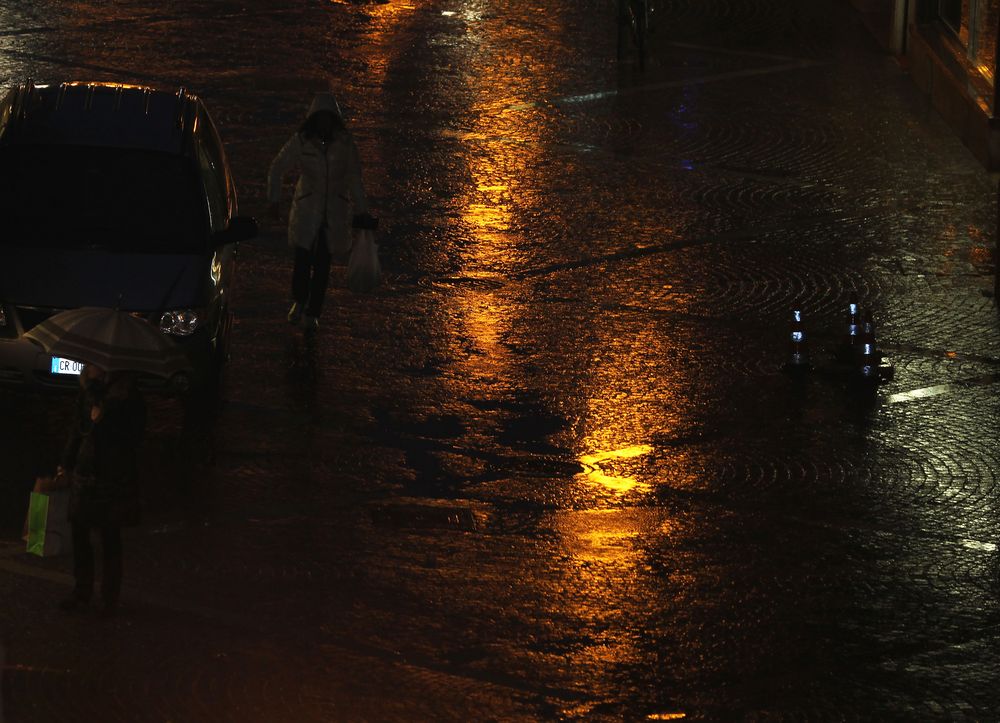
point(66, 366)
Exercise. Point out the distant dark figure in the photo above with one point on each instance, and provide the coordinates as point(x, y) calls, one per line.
point(329, 185)
point(633, 18)
point(100, 463)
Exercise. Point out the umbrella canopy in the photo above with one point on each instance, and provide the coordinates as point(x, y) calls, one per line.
point(112, 340)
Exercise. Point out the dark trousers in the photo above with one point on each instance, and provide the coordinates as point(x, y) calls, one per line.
point(83, 562)
point(309, 279)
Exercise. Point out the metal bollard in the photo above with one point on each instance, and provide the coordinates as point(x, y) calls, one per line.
point(798, 356)
point(853, 321)
point(867, 354)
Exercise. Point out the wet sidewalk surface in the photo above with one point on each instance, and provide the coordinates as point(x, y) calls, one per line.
point(552, 469)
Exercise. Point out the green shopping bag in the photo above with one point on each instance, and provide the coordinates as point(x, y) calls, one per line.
point(48, 526)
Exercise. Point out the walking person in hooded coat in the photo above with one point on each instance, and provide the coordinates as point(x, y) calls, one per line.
point(328, 193)
point(100, 463)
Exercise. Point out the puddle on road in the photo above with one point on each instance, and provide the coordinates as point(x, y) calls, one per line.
point(939, 389)
point(979, 546)
point(607, 536)
point(620, 484)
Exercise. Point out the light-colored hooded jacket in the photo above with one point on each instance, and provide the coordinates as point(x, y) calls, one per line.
point(329, 189)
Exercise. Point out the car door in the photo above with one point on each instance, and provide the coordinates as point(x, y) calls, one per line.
point(220, 198)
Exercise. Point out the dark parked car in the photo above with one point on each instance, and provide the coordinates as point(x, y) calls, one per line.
point(117, 196)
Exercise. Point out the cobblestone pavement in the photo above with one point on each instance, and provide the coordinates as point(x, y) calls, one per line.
point(552, 469)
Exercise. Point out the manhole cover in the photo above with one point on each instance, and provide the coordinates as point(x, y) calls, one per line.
point(424, 515)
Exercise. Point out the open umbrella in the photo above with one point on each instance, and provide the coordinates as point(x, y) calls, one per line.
point(112, 340)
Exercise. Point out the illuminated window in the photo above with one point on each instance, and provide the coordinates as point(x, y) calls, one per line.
point(955, 14)
point(985, 35)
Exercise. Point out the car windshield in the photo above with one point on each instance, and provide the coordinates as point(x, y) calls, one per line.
point(110, 199)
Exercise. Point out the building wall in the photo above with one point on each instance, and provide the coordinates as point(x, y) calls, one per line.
point(951, 53)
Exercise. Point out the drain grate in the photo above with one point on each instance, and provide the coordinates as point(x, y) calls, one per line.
point(421, 515)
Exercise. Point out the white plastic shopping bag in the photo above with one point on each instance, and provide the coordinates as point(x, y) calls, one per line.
point(363, 270)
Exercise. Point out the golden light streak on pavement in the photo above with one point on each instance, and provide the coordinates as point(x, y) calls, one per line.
point(501, 152)
point(595, 475)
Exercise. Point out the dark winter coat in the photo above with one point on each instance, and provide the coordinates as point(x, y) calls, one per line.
point(102, 460)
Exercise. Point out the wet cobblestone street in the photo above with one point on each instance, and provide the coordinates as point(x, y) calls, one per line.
point(552, 468)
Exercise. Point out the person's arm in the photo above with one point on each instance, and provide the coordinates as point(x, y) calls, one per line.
point(128, 416)
point(354, 185)
point(135, 430)
point(138, 426)
point(285, 161)
point(68, 459)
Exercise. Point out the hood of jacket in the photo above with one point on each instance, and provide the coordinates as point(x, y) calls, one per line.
point(324, 101)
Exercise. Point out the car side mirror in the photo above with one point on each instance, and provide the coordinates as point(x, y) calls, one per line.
point(240, 228)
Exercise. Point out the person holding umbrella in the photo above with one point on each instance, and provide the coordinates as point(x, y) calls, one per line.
point(100, 463)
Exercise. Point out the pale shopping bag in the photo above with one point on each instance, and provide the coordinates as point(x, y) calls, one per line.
point(364, 272)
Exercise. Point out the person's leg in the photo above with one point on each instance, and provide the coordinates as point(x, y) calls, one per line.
point(300, 283)
point(320, 277)
point(111, 577)
point(83, 568)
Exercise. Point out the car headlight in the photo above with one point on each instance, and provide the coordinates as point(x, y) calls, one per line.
point(181, 322)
